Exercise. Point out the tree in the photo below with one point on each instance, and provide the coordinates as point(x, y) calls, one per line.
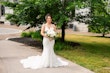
point(66, 13)
point(98, 18)
point(25, 12)
point(33, 11)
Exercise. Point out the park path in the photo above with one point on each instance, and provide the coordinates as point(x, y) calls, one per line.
point(12, 52)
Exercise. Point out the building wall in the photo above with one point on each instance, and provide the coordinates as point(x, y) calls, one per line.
point(77, 26)
point(7, 10)
point(10, 11)
point(0, 10)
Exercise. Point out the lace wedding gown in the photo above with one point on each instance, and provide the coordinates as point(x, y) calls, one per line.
point(48, 57)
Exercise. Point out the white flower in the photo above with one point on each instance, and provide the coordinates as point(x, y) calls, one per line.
point(51, 33)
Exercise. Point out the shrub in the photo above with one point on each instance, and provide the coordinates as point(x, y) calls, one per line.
point(24, 34)
point(27, 34)
point(67, 45)
point(36, 35)
point(32, 34)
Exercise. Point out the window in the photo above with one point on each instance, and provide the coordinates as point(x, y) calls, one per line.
point(2, 10)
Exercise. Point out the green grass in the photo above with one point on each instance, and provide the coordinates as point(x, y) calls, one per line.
point(94, 52)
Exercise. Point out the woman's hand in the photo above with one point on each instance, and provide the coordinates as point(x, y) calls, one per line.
point(45, 36)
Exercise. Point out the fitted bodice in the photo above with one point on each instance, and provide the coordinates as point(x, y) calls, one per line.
point(47, 28)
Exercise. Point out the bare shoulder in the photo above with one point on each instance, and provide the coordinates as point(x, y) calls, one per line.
point(43, 25)
point(54, 25)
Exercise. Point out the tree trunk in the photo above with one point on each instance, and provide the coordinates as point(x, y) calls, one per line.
point(103, 34)
point(63, 32)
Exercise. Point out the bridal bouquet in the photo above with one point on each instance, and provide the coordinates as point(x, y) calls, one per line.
point(51, 34)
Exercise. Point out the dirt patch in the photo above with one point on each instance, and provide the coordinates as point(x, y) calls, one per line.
point(38, 44)
point(28, 41)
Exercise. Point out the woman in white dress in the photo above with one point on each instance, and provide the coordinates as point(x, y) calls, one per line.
point(48, 57)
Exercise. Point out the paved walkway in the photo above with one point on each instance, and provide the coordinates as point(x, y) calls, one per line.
point(9, 31)
point(12, 52)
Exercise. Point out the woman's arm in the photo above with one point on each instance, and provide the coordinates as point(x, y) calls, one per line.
point(54, 28)
point(43, 31)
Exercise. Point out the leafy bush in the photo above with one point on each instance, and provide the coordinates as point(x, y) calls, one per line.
point(32, 34)
point(36, 35)
point(27, 34)
point(58, 45)
point(67, 45)
point(24, 34)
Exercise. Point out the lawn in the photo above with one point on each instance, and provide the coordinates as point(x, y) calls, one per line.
point(87, 51)
point(93, 53)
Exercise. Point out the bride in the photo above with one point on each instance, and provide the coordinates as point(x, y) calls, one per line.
point(48, 57)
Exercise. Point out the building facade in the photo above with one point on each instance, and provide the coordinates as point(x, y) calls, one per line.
point(5, 10)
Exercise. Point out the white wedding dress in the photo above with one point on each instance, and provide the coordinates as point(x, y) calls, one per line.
point(48, 57)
